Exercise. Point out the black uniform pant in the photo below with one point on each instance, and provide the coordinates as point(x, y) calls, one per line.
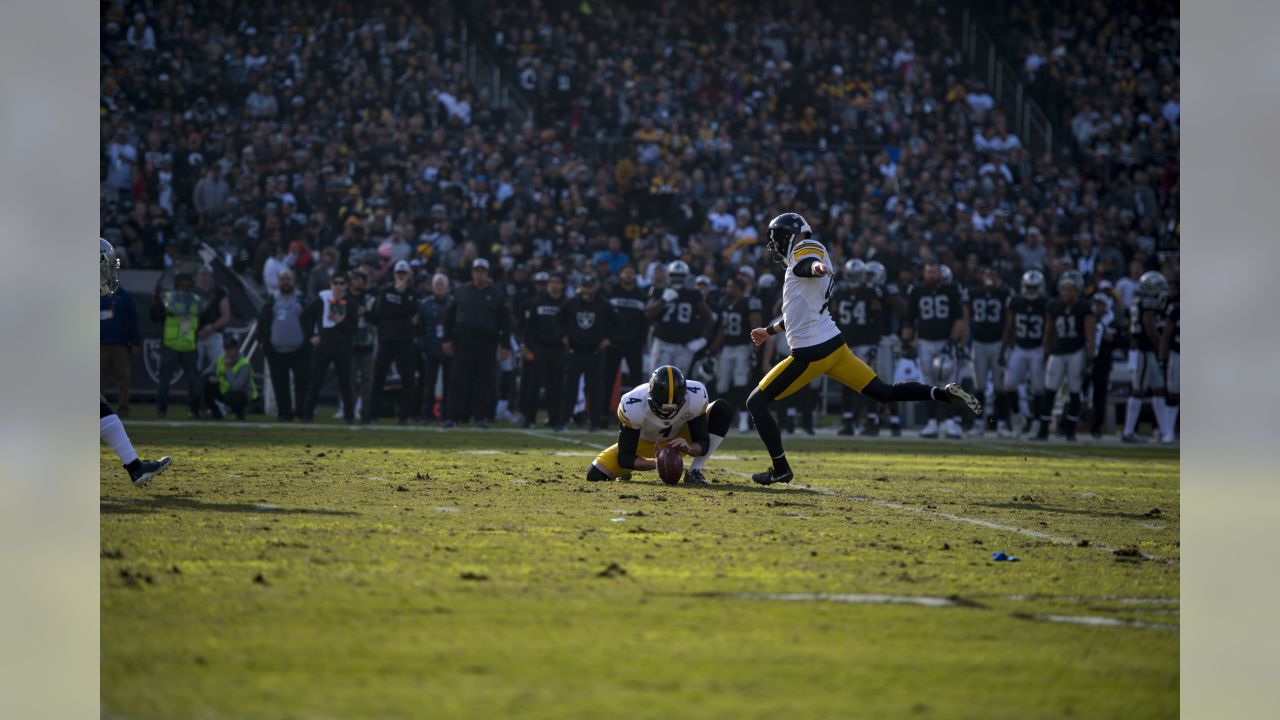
point(404, 354)
point(170, 361)
point(287, 393)
point(340, 359)
point(434, 365)
point(635, 374)
point(237, 400)
point(1101, 380)
point(543, 374)
point(591, 365)
point(473, 378)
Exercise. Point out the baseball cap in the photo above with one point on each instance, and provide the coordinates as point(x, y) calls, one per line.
point(748, 271)
point(402, 266)
point(702, 280)
point(541, 277)
point(767, 281)
point(590, 281)
point(480, 263)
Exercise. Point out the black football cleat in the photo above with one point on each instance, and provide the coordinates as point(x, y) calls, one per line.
point(693, 476)
point(148, 470)
point(771, 476)
point(960, 397)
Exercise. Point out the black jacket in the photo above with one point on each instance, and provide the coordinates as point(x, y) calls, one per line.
point(342, 326)
point(393, 313)
point(478, 315)
point(586, 323)
point(541, 326)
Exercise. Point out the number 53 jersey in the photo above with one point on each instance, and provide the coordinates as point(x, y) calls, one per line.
point(806, 301)
point(634, 412)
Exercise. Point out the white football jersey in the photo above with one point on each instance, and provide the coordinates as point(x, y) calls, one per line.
point(634, 412)
point(805, 309)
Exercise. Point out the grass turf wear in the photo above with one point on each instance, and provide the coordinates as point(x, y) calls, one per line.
point(326, 572)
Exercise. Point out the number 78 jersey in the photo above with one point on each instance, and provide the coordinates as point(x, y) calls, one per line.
point(806, 302)
point(634, 412)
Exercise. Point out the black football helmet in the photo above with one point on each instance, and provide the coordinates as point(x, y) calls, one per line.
point(108, 268)
point(666, 391)
point(782, 233)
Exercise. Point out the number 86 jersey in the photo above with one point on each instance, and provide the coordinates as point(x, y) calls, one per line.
point(634, 412)
point(806, 302)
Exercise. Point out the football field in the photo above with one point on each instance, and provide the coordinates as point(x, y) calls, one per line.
point(325, 572)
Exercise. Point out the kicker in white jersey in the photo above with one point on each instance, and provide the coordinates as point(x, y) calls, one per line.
point(805, 311)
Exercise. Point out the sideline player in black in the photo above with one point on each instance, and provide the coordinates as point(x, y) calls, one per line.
point(732, 345)
point(586, 321)
point(935, 320)
point(395, 313)
point(110, 429)
point(988, 304)
point(543, 353)
point(681, 320)
point(1024, 344)
point(858, 311)
point(1069, 340)
point(626, 339)
point(330, 321)
point(1169, 355)
point(1146, 319)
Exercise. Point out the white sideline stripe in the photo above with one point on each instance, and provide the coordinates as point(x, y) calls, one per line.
point(845, 598)
point(1094, 621)
point(952, 517)
point(1094, 598)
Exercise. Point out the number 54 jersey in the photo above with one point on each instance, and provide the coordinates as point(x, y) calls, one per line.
point(634, 412)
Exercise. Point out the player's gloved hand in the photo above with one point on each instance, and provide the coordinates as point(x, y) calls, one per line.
point(669, 294)
point(962, 354)
point(696, 344)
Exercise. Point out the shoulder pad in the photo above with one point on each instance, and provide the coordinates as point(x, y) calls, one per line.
point(632, 409)
point(696, 396)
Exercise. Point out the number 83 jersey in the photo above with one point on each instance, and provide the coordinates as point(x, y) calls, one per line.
point(634, 412)
point(806, 301)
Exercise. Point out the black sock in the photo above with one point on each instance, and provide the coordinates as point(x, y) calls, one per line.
point(767, 427)
point(134, 466)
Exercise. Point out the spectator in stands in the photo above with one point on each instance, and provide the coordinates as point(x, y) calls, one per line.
point(286, 345)
point(120, 340)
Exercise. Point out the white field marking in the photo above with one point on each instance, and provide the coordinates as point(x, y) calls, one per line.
point(573, 453)
point(481, 452)
point(520, 482)
point(375, 477)
point(619, 520)
point(1095, 598)
point(1095, 621)
point(952, 517)
point(845, 598)
point(442, 508)
point(262, 506)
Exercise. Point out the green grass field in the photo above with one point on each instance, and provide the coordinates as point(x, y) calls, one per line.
point(321, 572)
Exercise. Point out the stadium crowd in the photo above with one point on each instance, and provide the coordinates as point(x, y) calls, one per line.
point(338, 142)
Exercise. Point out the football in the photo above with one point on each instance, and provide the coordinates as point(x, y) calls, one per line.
point(670, 465)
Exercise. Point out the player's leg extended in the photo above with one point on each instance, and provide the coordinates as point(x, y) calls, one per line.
point(855, 374)
point(111, 430)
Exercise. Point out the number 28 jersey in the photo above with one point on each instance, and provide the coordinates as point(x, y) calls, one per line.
point(806, 310)
point(634, 412)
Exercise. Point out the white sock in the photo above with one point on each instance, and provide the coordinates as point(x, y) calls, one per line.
point(1133, 409)
point(111, 430)
point(742, 418)
point(1162, 416)
point(1173, 417)
point(714, 443)
point(502, 406)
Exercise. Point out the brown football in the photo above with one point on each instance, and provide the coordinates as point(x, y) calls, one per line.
point(670, 465)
